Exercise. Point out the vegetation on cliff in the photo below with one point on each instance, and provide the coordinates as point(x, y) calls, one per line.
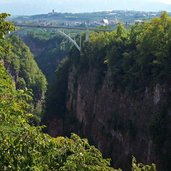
point(136, 58)
point(21, 63)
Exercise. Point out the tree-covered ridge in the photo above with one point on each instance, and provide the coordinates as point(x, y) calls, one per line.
point(136, 57)
point(5, 27)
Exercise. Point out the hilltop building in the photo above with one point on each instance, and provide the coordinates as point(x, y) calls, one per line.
point(105, 22)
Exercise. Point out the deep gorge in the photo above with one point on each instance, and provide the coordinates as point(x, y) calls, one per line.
point(117, 94)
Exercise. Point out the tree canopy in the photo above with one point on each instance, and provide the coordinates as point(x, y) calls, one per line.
point(137, 57)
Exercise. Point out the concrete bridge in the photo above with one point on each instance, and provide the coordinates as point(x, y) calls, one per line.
point(60, 29)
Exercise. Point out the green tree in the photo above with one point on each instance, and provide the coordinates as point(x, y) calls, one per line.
point(141, 167)
point(5, 27)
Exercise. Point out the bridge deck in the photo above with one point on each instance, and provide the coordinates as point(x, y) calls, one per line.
point(63, 27)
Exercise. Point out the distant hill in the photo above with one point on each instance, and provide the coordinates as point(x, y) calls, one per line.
point(92, 19)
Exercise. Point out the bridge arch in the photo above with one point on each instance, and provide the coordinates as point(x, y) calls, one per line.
point(58, 29)
point(70, 39)
point(73, 41)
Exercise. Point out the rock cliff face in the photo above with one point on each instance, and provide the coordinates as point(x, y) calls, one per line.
point(118, 122)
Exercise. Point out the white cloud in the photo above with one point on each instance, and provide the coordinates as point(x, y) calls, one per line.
point(164, 1)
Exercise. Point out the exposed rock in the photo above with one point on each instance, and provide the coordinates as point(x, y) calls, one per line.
point(157, 94)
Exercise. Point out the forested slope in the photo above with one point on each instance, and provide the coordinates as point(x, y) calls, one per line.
point(21, 64)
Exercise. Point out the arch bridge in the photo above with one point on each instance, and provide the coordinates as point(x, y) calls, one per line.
point(60, 29)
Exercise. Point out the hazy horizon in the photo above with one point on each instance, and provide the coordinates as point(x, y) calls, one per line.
point(31, 7)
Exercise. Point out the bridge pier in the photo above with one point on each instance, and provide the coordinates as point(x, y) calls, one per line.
point(87, 35)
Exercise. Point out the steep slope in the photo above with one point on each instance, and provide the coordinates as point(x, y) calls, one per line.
point(117, 93)
point(20, 63)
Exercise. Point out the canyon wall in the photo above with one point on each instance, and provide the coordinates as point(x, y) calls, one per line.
point(118, 122)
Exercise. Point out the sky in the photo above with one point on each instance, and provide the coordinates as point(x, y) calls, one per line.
point(31, 7)
point(165, 1)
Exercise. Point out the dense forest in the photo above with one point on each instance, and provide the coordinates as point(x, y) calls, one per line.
point(24, 146)
point(116, 92)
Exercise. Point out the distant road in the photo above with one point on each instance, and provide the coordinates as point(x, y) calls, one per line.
point(63, 27)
